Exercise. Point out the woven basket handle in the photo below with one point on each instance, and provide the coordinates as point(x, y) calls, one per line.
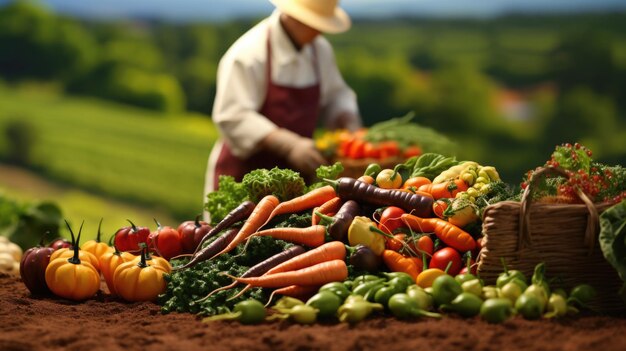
point(524, 237)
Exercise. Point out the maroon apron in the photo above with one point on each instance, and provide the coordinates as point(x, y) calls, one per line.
point(295, 109)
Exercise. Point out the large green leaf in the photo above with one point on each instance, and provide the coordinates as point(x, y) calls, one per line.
point(613, 240)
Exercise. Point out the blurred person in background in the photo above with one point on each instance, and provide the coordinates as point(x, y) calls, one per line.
point(273, 86)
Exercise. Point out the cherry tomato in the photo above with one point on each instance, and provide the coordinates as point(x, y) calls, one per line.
point(371, 150)
point(411, 151)
point(390, 219)
point(389, 179)
point(356, 150)
point(167, 242)
point(473, 268)
point(128, 238)
point(441, 258)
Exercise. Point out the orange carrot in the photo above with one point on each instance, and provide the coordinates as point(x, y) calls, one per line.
point(398, 263)
point(257, 218)
point(447, 232)
point(312, 236)
point(327, 207)
point(309, 200)
point(447, 189)
point(319, 274)
point(334, 250)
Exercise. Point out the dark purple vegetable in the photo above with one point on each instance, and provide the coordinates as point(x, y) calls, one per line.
point(33, 268)
point(338, 224)
point(352, 189)
point(262, 267)
point(240, 213)
point(210, 250)
point(363, 258)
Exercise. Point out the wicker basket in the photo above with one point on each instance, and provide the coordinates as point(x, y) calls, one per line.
point(354, 168)
point(564, 236)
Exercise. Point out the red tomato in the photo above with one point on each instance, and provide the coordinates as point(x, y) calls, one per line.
point(128, 238)
point(357, 149)
point(411, 151)
point(390, 219)
point(371, 150)
point(473, 268)
point(191, 234)
point(441, 258)
point(389, 149)
point(167, 243)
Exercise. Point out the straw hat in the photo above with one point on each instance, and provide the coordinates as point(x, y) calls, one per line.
point(323, 15)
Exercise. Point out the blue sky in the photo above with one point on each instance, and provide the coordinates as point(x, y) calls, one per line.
point(181, 10)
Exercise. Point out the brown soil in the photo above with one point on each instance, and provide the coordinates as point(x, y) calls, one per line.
point(106, 323)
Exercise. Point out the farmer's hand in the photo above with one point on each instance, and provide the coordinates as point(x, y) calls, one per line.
point(300, 152)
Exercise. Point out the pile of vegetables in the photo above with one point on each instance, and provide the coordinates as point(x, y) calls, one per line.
point(401, 240)
point(353, 300)
point(393, 138)
point(73, 271)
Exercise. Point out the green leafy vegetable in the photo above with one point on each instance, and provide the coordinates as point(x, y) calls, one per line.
point(430, 165)
point(285, 184)
point(186, 287)
point(228, 196)
point(326, 172)
point(407, 133)
point(613, 240)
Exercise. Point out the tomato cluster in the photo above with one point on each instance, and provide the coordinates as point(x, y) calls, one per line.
point(355, 147)
point(165, 241)
point(425, 248)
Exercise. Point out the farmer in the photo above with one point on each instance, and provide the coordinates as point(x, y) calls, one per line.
point(273, 85)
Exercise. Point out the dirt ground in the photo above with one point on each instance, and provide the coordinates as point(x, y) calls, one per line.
point(105, 323)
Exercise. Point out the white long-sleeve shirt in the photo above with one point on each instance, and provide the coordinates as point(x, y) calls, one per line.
point(241, 83)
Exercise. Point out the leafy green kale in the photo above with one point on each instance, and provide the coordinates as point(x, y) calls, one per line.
point(185, 288)
point(229, 195)
point(285, 184)
point(326, 172)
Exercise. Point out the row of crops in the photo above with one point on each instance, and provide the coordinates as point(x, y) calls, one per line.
point(128, 153)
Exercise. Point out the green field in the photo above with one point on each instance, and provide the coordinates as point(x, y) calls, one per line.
point(127, 153)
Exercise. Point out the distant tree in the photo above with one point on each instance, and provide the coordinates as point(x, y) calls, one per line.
point(35, 44)
point(583, 115)
point(585, 58)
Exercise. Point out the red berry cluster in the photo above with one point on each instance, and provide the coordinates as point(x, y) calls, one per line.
point(592, 181)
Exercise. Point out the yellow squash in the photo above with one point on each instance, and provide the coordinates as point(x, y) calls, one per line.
point(139, 281)
point(109, 262)
point(72, 278)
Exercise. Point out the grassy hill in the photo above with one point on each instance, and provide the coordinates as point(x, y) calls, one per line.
point(127, 153)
